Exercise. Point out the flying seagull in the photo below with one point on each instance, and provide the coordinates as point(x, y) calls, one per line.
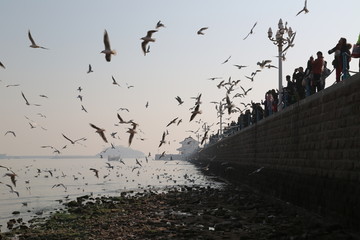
point(108, 52)
point(12, 189)
point(180, 101)
point(263, 63)
point(90, 69)
point(159, 25)
point(26, 101)
point(100, 131)
point(33, 44)
point(12, 132)
point(172, 121)
point(114, 81)
point(95, 171)
point(201, 30)
point(251, 31)
point(239, 66)
point(226, 60)
point(162, 141)
point(195, 112)
point(132, 133)
point(147, 39)
point(305, 10)
point(72, 141)
point(2, 65)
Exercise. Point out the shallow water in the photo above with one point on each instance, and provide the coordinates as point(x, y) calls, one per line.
point(39, 195)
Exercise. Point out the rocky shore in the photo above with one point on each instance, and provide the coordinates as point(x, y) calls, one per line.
point(231, 212)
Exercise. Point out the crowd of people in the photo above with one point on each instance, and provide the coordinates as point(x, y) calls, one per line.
point(300, 85)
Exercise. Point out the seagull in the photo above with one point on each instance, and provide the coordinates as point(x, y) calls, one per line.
point(159, 25)
point(113, 134)
point(12, 176)
point(147, 104)
point(95, 171)
point(195, 112)
point(114, 81)
point(251, 31)
point(137, 162)
point(147, 39)
point(31, 126)
point(226, 60)
point(12, 190)
point(204, 138)
point(12, 132)
point(33, 44)
point(108, 52)
point(60, 185)
point(123, 109)
point(132, 132)
point(162, 141)
point(270, 66)
point(121, 120)
point(100, 131)
point(2, 65)
point(201, 30)
point(180, 101)
point(13, 85)
point(80, 97)
point(27, 102)
point(172, 121)
point(305, 10)
point(239, 66)
point(72, 142)
point(213, 78)
point(245, 92)
point(263, 63)
point(83, 108)
point(109, 165)
point(90, 69)
point(79, 89)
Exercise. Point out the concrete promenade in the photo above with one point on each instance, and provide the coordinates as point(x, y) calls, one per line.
point(307, 154)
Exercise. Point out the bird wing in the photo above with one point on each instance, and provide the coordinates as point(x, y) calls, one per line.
point(108, 57)
point(121, 120)
point(143, 46)
point(27, 102)
point(103, 136)
point(68, 139)
point(131, 138)
point(92, 125)
point(31, 39)
point(106, 41)
point(150, 32)
point(2, 65)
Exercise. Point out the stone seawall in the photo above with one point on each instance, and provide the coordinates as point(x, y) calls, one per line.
point(307, 154)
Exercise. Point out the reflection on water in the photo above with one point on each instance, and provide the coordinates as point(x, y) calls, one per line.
point(44, 183)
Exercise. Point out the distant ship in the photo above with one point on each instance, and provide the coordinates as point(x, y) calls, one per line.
point(114, 158)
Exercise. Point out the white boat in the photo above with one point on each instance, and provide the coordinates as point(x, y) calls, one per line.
point(114, 158)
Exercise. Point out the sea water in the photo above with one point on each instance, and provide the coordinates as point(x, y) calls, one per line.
point(44, 184)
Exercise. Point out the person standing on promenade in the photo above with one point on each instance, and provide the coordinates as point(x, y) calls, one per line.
point(308, 76)
point(356, 51)
point(341, 57)
point(317, 69)
point(298, 77)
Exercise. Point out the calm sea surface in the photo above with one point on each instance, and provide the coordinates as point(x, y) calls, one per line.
point(44, 183)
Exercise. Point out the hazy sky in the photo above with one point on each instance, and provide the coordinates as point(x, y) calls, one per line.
point(179, 64)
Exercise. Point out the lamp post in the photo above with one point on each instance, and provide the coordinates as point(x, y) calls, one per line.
point(281, 40)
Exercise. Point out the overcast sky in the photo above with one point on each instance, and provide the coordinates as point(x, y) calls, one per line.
point(179, 63)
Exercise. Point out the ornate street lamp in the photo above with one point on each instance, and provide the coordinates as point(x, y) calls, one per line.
point(281, 40)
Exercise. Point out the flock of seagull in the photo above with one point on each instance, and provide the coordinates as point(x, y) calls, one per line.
point(226, 103)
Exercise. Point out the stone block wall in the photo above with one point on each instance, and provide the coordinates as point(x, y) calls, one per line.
point(307, 154)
